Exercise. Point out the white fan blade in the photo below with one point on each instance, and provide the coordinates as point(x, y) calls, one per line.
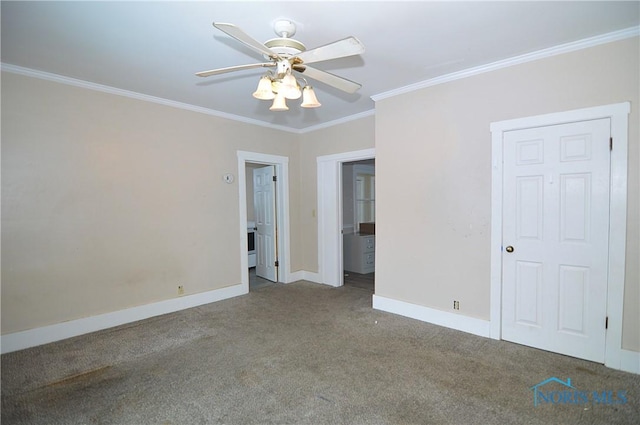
point(328, 78)
point(347, 47)
point(246, 39)
point(234, 68)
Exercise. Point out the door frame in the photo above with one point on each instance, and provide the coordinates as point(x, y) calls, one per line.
point(281, 164)
point(330, 260)
point(618, 114)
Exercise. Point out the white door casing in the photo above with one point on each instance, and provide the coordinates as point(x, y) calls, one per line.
point(555, 233)
point(617, 205)
point(281, 164)
point(264, 201)
point(330, 250)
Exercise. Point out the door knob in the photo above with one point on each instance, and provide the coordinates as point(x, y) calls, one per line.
point(509, 248)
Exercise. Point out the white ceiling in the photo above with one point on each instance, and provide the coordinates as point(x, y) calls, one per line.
point(154, 48)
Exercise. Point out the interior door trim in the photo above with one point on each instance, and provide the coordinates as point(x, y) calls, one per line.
point(281, 164)
point(618, 114)
point(329, 178)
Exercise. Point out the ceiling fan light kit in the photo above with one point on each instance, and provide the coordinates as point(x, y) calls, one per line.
point(288, 56)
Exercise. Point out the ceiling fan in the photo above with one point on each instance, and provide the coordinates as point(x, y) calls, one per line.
point(287, 56)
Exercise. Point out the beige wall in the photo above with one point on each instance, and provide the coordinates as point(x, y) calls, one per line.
point(433, 235)
point(348, 137)
point(110, 202)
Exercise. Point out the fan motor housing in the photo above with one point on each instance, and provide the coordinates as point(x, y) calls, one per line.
point(285, 47)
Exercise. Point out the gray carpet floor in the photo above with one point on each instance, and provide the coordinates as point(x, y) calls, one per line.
point(299, 354)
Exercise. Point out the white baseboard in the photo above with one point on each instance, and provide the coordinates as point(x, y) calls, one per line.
point(46, 334)
point(630, 361)
point(437, 317)
point(304, 275)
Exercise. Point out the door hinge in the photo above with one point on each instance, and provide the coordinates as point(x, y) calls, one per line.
point(606, 322)
point(610, 143)
point(275, 178)
point(277, 263)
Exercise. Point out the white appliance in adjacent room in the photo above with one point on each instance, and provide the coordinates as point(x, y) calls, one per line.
point(251, 242)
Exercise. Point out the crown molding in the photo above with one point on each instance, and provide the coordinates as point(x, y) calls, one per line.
point(15, 69)
point(342, 120)
point(516, 60)
point(541, 54)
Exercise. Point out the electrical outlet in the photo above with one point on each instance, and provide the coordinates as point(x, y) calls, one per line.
point(180, 290)
point(456, 305)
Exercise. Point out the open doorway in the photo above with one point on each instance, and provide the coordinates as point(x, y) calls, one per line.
point(330, 244)
point(358, 223)
point(264, 225)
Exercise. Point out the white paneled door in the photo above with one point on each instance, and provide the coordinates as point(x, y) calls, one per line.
point(555, 237)
point(264, 199)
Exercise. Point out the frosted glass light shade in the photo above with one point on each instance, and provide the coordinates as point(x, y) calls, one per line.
point(309, 99)
point(264, 92)
point(279, 103)
point(289, 87)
